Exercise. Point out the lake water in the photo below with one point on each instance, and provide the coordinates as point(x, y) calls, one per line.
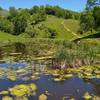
point(72, 87)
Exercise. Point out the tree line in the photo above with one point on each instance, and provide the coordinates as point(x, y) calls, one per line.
point(24, 20)
point(19, 21)
point(90, 18)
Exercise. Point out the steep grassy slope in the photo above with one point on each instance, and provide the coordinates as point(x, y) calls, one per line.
point(57, 24)
point(72, 24)
point(11, 38)
point(6, 36)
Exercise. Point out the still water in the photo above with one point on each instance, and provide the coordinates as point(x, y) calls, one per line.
point(73, 87)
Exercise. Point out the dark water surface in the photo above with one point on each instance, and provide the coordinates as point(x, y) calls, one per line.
point(73, 87)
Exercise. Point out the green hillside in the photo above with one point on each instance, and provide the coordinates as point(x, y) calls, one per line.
point(6, 36)
point(11, 38)
point(60, 26)
point(55, 23)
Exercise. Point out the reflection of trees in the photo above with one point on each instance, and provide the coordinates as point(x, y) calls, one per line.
point(97, 89)
point(1, 53)
point(96, 85)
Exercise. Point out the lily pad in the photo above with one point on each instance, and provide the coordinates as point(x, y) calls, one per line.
point(87, 96)
point(4, 92)
point(68, 75)
point(23, 89)
point(7, 98)
point(43, 97)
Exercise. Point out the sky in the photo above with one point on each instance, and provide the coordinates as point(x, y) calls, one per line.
point(75, 5)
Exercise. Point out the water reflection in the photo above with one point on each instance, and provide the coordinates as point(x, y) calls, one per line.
point(67, 88)
point(1, 53)
point(96, 85)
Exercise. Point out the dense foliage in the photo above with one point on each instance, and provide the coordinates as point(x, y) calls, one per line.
point(90, 19)
point(20, 20)
point(63, 51)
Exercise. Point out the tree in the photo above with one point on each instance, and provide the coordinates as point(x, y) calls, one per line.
point(31, 31)
point(92, 3)
point(1, 8)
point(13, 13)
point(96, 14)
point(34, 9)
point(6, 25)
point(52, 33)
point(36, 18)
point(68, 15)
point(87, 21)
point(20, 23)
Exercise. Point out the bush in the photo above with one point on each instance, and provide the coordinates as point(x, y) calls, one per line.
point(52, 33)
point(6, 25)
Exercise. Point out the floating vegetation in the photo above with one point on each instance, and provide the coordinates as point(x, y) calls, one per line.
point(58, 79)
point(26, 78)
point(22, 90)
point(21, 71)
point(87, 96)
point(11, 74)
point(96, 98)
point(21, 98)
point(43, 97)
point(35, 77)
point(4, 92)
point(47, 92)
point(68, 76)
point(84, 72)
point(68, 98)
point(2, 72)
point(7, 98)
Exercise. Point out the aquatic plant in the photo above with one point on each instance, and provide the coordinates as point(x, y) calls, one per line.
point(87, 96)
point(2, 72)
point(43, 97)
point(7, 98)
point(11, 74)
point(21, 98)
point(22, 90)
point(96, 98)
point(4, 92)
point(68, 75)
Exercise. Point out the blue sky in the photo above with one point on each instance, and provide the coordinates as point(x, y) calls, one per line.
point(76, 5)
